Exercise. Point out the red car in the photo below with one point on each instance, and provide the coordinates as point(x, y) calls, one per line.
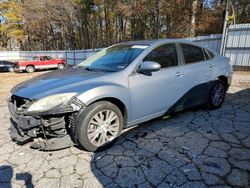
point(40, 62)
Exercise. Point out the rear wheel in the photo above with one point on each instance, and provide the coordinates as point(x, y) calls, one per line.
point(60, 66)
point(216, 95)
point(11, 69)
point(99, 126)
point(30, 69)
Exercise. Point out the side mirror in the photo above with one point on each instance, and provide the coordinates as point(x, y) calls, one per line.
point(149, 66)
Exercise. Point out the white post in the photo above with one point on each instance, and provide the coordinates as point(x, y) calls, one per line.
point(224, 32)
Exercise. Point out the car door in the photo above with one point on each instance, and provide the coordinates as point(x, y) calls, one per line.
point(1, 66)
point(199, 72)
point(44, 62)
point(49, 62)
point(35, 62)
point(4, 65)
point(154, 94)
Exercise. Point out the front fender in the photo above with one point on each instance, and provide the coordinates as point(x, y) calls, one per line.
point(107, 91)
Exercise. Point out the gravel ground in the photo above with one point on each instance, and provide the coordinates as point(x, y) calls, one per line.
point(195, 148)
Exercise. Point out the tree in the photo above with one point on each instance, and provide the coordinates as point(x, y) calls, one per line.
point(81, 24)
point(12, 30)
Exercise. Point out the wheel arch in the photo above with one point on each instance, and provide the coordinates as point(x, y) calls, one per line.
point(118, 103)
point(30, 65)
point(224, 79)
point(116, 94)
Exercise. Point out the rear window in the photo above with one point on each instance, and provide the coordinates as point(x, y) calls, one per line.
point(192, 54)
point(47, 58)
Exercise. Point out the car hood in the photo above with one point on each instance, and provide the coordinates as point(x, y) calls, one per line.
point(72, 79)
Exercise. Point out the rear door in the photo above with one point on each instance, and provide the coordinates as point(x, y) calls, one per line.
point(199, 73)
point(154, 94)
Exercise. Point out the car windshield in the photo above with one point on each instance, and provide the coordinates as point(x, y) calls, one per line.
point(113, 59)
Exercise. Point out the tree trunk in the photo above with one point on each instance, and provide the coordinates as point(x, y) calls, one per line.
point(193, 18)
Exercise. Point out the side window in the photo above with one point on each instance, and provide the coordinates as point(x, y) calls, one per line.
point(35, 58)
point(43, 58)
point(192, 53)
point(165, 55)
point(47, 57)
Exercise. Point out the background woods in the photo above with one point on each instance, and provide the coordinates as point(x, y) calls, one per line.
point(81, 24)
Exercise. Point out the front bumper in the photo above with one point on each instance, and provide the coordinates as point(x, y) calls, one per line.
point(16, 133)
point(19, 69)
point(52, 127)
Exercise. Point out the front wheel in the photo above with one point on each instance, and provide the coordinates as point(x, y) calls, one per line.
point(216, 94)
point(99, 126)
point(30, 69)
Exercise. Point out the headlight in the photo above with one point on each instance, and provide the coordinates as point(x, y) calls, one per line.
point(50, 102)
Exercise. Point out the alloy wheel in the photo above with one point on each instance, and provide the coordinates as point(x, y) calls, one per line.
point(218, 94)
point(103, 127)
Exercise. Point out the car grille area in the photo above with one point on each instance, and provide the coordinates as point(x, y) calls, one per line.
point(22, 128)
point(17, 105)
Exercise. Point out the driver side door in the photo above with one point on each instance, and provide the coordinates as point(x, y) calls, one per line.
point(153, 94)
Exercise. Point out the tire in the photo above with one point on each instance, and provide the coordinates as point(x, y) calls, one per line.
point(217, 94)
point(30, 69)
point(60, 66)
point(91, 136)
point(11, 69)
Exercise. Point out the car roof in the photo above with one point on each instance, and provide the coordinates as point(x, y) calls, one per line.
point(162, 41)
point(41, 56)
point(4, 61)
point(156, 41)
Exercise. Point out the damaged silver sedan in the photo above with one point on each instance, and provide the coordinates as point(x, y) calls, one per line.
point(126, 84)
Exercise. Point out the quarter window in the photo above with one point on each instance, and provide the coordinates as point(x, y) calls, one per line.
point(165, 55)
point(206, 55)
point(210, 54)
point(192, 54)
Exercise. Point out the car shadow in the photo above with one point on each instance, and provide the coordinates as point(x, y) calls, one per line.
point(156, 153)
point(36, 71)
point(6, 176)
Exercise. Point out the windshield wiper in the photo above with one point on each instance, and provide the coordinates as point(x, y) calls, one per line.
point(92, 69)
point(96, 69)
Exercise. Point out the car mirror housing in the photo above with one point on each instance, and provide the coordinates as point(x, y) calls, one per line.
point(149, 66)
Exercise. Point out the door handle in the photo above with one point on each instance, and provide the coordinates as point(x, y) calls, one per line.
point(179, 74)
point(211, 65)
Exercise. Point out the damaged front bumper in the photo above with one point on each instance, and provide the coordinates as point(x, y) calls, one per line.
point(52, 128)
